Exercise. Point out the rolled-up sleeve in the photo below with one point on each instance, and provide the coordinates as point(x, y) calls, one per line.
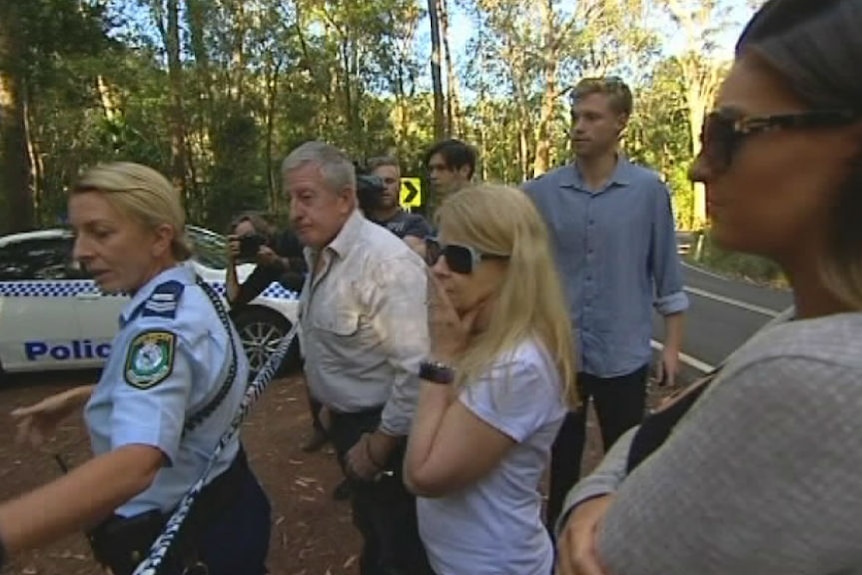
point(400, 317)
point(664, 257)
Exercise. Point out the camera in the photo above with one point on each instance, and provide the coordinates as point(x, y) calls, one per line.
point(249, 245)
point(369, 188)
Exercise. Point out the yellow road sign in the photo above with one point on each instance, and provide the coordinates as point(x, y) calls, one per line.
point(411, 192)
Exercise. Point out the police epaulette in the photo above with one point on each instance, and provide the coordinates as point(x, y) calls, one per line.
point(164, 300)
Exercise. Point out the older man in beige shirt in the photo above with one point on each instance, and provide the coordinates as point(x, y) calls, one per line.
point(364, 333)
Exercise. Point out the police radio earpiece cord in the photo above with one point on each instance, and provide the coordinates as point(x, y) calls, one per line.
point(161, 546)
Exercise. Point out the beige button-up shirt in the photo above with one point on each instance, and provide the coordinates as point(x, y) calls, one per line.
point(364, 325)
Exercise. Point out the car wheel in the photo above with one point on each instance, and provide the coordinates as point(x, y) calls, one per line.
point(261, 330)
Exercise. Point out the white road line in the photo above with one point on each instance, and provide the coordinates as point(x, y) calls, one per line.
point(734, 302)
point(686, 359)
point(703, 271)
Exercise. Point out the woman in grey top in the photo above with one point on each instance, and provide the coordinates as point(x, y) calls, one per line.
point(763, 473)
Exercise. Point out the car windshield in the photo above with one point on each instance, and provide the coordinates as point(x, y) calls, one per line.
point(209, 247)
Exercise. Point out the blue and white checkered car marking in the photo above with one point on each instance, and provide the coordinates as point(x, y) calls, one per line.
point(72, 288)
point(47, 288)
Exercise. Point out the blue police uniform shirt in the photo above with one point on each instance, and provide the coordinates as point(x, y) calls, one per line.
point(168, 360)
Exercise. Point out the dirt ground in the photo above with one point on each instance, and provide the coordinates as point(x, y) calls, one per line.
point(312, 534)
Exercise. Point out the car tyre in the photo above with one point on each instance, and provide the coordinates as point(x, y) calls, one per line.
point(261, 330)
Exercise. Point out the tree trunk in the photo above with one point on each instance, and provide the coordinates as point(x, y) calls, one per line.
point(436, 79)
point(14, 167)
point(700, 77)
point(696, 114)
point(271, 99)
point(238, 53)
point(37, 166)
point(200, 124)
point(175, 79)
point(549, 97)
point(452, 125)
point(401, 106)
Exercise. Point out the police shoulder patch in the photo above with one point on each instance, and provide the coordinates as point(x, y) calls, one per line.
point(150, 358)
point(164, 300)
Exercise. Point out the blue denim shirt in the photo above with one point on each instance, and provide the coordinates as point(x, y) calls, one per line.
point(617, 257)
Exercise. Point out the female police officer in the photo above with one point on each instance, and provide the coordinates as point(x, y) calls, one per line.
point(174, 380)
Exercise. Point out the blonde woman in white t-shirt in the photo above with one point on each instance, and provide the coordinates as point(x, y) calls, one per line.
point(494, 391)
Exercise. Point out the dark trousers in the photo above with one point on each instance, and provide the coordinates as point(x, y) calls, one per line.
point(238, 542)
point(384, 511)
point(620, 403)
point(315, 407)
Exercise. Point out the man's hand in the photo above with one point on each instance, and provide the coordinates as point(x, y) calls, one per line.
point(668, 366)
point(577, 545)
point(369, 456)
point(39, 421)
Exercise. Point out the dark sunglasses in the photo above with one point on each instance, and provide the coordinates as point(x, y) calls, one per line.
point(725, 129)
point(460, 259)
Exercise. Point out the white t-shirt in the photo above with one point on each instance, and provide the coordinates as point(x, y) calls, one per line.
point(494, 526)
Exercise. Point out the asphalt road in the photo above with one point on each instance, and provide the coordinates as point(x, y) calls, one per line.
point(723, 314)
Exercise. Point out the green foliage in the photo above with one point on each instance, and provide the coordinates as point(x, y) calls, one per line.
point(238, 177)
point(745, 266)
point(259, 77)
point(658, 135)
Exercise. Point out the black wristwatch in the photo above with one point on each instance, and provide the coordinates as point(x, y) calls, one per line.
point(436, 372)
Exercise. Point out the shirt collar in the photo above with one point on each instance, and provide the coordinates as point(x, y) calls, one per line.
point(183, 272)
point(348, 235)
point(621, 175)
point(342, 243)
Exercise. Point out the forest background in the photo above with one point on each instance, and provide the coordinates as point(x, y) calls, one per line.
point(215, 92)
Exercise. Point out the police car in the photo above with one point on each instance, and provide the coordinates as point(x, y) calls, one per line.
point(52, 316)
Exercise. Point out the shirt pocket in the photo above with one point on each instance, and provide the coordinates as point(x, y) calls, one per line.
point(340, 322)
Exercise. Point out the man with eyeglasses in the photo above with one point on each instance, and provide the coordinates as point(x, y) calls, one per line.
point(412, 228)
point(613, 232)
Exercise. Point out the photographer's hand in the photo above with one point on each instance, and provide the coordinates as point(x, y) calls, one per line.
point(267, 257)
point(231, 281)
point(232, 248)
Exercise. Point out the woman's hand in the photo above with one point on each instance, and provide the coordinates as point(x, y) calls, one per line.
point(232, 248)
point(449, 332)
point(267, 257)
point(38, 421)
point(577, 545)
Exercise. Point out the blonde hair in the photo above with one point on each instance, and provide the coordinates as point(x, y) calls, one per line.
point(618, 93)
point(141, 193)
point(502, 220)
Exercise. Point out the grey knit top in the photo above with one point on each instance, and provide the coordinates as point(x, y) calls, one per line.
point(762, 476)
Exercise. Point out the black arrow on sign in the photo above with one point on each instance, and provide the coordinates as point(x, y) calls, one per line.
point(412, 192)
